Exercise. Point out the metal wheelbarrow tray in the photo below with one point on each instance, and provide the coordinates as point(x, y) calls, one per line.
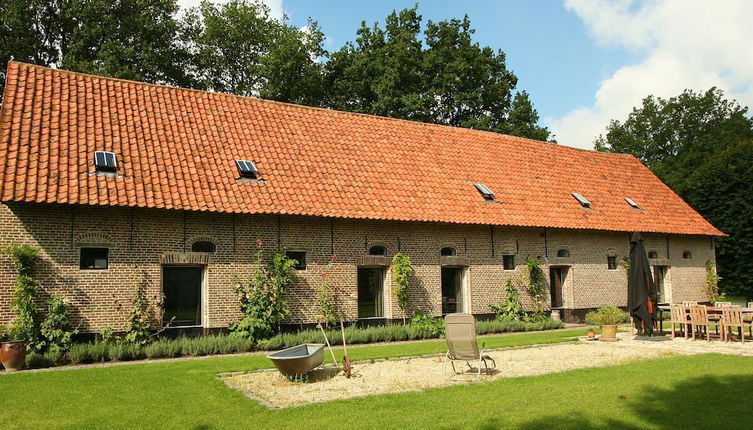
point(299, 359)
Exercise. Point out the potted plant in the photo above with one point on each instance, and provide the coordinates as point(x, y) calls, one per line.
point(13, 353)
point(607, 317)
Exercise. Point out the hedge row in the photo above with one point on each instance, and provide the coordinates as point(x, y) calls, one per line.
point(97, 352)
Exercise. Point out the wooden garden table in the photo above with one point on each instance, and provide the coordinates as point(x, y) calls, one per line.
point(709, 309)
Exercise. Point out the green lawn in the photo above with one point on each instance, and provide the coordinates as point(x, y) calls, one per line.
point(709, 391)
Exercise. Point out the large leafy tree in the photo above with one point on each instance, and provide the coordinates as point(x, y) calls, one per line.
point(132, 39)
point(699, 144)
point(439, 75)
point(236, 47)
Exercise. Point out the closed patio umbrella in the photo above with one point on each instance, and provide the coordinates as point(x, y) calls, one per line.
point(641, 288)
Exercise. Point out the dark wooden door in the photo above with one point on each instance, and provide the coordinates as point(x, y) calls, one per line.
point(556, 279)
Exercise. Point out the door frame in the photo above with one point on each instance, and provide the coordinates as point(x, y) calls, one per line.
point(564, 269)
point(384, 296)
point(202, 291)
point(666, 282)
point(464, 290)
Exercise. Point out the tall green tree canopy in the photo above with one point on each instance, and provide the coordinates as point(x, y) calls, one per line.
point(236, 47)
point(700, 144)
point(439, 75)
point(131, 39)
point(404, 69)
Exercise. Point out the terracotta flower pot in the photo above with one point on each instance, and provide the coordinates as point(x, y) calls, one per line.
point(609, 332)
point(13, 355)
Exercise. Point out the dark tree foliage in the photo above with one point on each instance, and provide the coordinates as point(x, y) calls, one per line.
point(438, 76)
point(721, 189)
point(131, 39)
point(238, 48)
point(700, 145)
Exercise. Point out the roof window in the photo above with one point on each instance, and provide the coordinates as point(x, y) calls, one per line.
point(632, 203)
point(485, 191)
point(582, 200)
point(247, 169)
point(105, 161)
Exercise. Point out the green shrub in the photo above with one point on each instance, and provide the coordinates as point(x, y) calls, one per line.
point(107, 334)
point(427, 325)
point(56, 328)
point(402, 269)
point(137, 326)
point(4, 333)
point(263, 301)
point(125, 352)
point(327, 308)
point(511, 308)
point(26, 324)
point(607, 315)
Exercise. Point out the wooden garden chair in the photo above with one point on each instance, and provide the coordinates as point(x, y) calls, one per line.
point(722, 304)
point(699, 318)
point(732, 317)
point(679, 316)
point(690, 303)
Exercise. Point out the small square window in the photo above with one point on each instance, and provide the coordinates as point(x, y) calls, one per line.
point(299, 257)
point(687, 254)
point(508, 262)
point(612, 262)
point(94, 258)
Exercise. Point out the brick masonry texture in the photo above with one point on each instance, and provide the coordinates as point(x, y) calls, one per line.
point(139, 237)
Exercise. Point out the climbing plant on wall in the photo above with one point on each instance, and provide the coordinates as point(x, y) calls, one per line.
point(26, 325)
point(536, 287)
point(402, 269)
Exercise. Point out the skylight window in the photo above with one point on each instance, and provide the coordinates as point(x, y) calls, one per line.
point(105, 161)
point(582, 200)
point(632, 203)
point(247, 169)
point(485, 191)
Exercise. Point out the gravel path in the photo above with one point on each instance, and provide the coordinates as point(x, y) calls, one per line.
point(389, 376)
point(379, 377)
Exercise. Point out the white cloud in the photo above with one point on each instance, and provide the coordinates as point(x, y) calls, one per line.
point(681, 44)
point(275, 6)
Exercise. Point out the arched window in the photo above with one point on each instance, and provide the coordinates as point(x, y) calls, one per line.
point(378, 250)
point(448, 251)
point(653, 254)
point(687, 254)
point(563, 253)
point(203, 246)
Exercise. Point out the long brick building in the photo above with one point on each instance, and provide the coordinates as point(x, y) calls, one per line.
point(123, 183)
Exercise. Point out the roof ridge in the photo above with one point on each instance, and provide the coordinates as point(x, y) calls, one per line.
point(520, 139)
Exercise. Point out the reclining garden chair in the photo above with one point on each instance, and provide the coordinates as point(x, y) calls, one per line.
point(460, 331)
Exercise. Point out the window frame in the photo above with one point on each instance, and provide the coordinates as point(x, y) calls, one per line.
point(383, 254)
point(94, 259)
point(505, 259)
point(564, 251)
point(655, 255)
point(300, 266)
point(612, 262)
point(687, 255)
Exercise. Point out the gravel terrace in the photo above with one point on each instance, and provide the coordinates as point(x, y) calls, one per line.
point(389, 376)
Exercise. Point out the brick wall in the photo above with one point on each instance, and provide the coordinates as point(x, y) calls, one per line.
point(138, 237)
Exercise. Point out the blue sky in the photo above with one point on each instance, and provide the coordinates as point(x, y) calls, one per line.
point(584, 62)
point(555, 61)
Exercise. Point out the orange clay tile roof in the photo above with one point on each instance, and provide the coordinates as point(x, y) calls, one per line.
point(177, 148)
